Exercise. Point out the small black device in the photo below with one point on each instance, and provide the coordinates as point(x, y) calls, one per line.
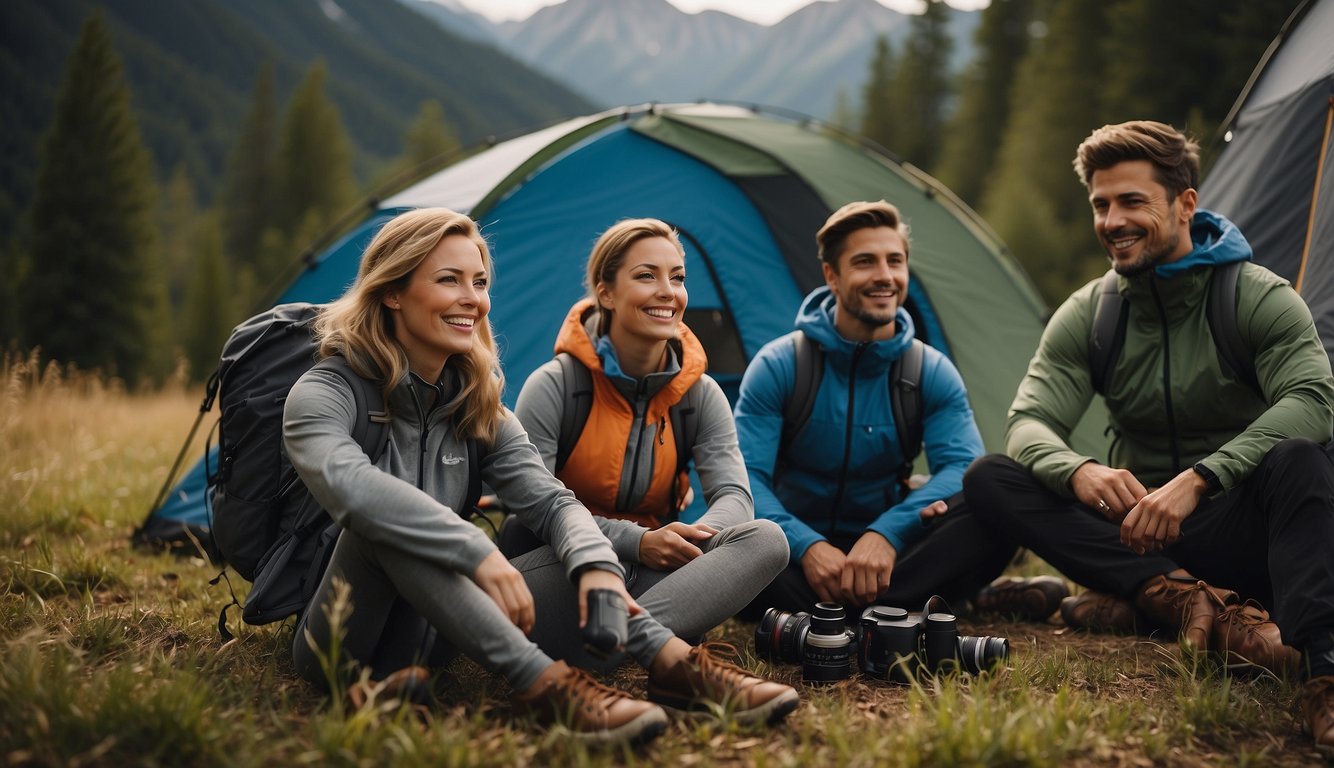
point(781, 635)
point(605, 630)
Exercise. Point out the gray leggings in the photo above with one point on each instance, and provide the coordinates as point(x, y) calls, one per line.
point(737, 563)
point(406, 610)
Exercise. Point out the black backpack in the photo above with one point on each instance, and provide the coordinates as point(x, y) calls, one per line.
point(265, 523)
point(905, 398)
point(1107, 334)
point(578, 386)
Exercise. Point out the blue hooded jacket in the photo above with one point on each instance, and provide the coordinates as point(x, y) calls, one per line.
point(1216, 241)
point(800, 489)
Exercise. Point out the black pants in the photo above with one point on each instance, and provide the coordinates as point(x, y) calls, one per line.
point(1271, 538)
point(955, 559)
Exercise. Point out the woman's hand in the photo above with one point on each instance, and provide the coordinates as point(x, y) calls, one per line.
point(596, 578)
point(504, 584)
point(673, 545)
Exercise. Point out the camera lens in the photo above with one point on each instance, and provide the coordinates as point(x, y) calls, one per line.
point(980, 654)
point(827, 652)
point(780, 635)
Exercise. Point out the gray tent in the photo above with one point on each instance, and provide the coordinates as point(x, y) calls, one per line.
point(1275, 177)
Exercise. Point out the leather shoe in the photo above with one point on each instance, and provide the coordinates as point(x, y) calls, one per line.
point(1029, 599)
point(1318, 707)
point(1186, 606)
point(702, 681)
point(1099, 612)
point(407, 684)
point(1247, 639)
point(590, 711)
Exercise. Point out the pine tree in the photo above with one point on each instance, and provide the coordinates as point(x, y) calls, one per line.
point(93, 294)
point(922, 85)
point(316, 160)
point(429, 141)
point(879, 121)
point(972, 136)
point(210, 310)
point(250, 184)
point(1034, 200)
point(844, 116)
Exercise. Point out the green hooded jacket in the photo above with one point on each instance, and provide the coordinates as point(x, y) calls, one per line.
point(1171, 401)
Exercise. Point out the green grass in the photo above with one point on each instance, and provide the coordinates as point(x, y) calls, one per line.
point(110, 655)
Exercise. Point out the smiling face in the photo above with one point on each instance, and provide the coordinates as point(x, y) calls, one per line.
point(1135, 222)
point(870, 283)
point(437, 311)
point(648, 295)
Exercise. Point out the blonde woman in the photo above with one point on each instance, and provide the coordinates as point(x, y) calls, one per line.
point(424, 582)
point(643, 361)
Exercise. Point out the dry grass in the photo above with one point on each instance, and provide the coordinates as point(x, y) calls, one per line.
point(110, 655)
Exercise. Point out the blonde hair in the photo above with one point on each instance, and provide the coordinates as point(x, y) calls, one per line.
point(608, 255)
point(360, 327)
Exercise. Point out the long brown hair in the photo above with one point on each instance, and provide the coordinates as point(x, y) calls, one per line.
point(360, 327)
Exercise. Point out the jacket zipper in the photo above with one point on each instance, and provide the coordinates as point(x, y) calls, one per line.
point(847, 436)
point(639, 406)
point(1167, 378)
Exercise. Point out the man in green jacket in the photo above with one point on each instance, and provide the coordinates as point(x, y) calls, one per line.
point(1217, 502)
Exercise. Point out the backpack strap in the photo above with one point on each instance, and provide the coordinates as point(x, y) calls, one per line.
point(1108, 333)
point(1221, 311)
point(905, 398)
point(684, 415)
point(371, 427)
point(577, 383)
point(808, 360)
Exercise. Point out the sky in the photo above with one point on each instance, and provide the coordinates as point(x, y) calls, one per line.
point(759, 11)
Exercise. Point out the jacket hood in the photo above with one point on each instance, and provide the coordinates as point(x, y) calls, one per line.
point(815, 318)
point(576, 338)
point(1216, 240)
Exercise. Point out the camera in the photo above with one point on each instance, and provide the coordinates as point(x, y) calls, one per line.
point(605, 630)
point(887, 643)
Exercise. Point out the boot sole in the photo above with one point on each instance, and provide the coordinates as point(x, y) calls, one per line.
point(640, 731)
point(769, 713)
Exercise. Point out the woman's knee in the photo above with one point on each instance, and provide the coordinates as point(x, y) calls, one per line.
point(763, 540)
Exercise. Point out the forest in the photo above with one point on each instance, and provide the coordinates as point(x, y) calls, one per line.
point(157, 206)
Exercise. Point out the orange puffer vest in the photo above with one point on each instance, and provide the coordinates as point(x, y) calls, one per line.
point(595, 465)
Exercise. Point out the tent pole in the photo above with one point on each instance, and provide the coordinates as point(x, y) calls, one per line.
point(1315, 194)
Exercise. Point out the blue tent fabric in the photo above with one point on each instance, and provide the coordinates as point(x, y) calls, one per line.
point(543, 199)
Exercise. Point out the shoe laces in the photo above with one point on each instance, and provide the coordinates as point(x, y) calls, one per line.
point(709, 658)
point(1248, 615)
point(583, 689)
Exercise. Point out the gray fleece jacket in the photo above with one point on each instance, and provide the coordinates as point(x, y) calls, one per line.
point(408, 499)
point(722, 474)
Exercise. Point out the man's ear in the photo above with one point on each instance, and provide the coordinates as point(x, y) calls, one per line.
point(1188, 200)
point(830, 274)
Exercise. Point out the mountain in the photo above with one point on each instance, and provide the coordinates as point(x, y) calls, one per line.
point(191, 67)
point(630, 51)
point(457, 18)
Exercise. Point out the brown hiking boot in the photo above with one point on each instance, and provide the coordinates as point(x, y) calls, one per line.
point(703, 681)
point(1247, 639)
point(1029, 599)
point(410, 684)
point(590, 710)
point(1099, 612)
point(1187, 606)
point(1318, 706)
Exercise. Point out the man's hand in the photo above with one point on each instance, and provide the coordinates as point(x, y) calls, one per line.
point(673, 545)
point(1113, 492)
point(867, 570)
point(934, 511)
point(1155, 521)
point(504, 584)
point(597, 578)
point(823, 565)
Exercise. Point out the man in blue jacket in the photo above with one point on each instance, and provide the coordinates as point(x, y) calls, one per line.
point(857, 535)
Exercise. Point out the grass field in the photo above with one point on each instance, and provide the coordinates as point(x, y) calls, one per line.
point(110, 655)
